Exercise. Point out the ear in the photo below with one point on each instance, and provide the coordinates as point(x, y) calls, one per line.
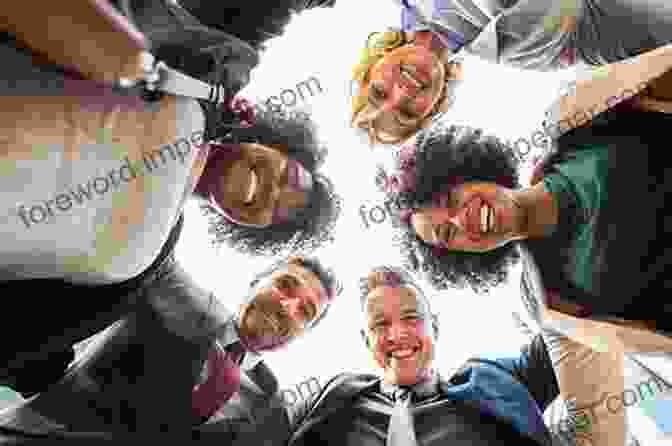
point(365, 338)
point(455, 71)
point(435, 325)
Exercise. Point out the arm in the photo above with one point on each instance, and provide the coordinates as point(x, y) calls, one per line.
point(607, 86)
point(89, 36)
point(528, 34)
point(553, 365)
point(608, 335)
point(590, 380)
point(185, 308)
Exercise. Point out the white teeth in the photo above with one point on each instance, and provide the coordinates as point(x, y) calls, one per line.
point(487, 219)
point(484, 218)
point(253, 187)
point(402, 353)
point(491, 218)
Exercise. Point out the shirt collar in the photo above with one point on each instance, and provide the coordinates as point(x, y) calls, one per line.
point(231, 334)
point(422, 390)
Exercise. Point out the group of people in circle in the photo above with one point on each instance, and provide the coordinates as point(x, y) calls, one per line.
point(118, 339)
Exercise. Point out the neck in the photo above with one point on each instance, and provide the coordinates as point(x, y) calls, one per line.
point(424, 376)
point(539, 209)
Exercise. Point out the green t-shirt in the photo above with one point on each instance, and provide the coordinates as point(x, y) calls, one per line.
point(580, 185)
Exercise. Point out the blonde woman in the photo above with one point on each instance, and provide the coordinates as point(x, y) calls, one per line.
point(406, 77)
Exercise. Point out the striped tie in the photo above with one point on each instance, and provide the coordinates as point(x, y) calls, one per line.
point(401, 431)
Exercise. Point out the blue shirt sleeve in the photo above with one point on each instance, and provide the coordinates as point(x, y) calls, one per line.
point(534, 369)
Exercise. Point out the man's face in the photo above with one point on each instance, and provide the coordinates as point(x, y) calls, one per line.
point(284, 304)
point(400, 334)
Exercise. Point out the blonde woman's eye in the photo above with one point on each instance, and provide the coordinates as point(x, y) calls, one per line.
point(376, 93)
point(405, 118)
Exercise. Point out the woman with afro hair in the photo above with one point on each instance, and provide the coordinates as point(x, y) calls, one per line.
point(589, 228)
point(273, 211)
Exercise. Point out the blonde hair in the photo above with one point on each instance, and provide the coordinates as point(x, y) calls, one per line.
point(378, 45)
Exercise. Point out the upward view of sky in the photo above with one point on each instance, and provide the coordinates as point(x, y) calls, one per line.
point(325, 44)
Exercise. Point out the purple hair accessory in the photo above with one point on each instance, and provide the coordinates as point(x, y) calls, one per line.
point(243, 109)
point(392, 279)
point(439, 250)
point(393, 184)
point(441, 199)
point(405, 215)
point(405, 180)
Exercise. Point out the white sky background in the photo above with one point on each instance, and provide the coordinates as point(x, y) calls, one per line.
point(326, 43)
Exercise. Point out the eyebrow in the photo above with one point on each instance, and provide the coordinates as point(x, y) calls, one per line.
point(410, 310)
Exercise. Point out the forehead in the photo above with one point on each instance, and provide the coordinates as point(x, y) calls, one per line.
point(312, 279)
point(387, 300)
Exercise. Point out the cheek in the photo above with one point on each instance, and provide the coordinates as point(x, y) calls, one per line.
point(422, 329)
point(423, 103)
point(376, 345)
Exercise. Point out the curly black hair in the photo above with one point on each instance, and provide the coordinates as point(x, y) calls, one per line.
point(295, 133)
point(442, 157)
point(326, 275)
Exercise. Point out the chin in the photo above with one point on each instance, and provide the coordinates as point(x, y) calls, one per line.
point(403, 379)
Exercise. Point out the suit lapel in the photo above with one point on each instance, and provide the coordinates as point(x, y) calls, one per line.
point(340, 391)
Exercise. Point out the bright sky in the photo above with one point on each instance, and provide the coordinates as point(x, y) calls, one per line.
point(325, 44)
point(504, 101)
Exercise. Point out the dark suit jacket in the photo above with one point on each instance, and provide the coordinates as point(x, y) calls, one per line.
point(514, 390)
point(136, 377)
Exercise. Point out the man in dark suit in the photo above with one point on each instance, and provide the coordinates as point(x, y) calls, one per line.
point(487, 402)
point(181, 365)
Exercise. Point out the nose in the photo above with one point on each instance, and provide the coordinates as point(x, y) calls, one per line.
point(459, 219)
point(293, 305)
point(396, 332)
point(398, 95)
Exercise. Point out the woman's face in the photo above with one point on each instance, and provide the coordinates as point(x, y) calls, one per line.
point(404, 87)
point(258, 185)
point(477, 217)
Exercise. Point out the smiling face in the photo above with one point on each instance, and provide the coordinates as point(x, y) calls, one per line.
point(284, 304)
point(257, 185)
point(477, 217)
point(403, 88)
point(400, 334)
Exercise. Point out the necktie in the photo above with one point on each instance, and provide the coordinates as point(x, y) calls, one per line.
point(401, 431)
point(221, 382)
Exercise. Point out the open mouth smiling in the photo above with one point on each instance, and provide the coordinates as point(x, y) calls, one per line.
point(402, 353)
point(481, 218)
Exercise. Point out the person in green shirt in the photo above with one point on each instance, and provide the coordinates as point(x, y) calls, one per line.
point(590, 228)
